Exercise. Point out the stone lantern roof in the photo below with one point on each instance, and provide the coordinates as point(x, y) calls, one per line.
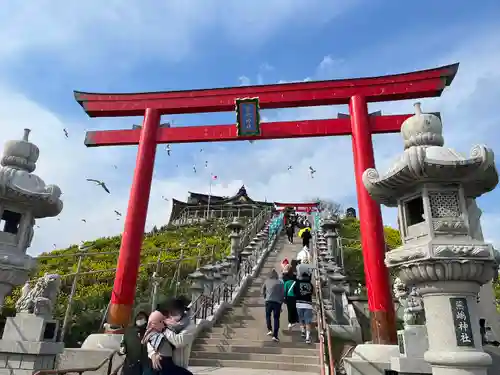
point(19, 185)
point(426, 160)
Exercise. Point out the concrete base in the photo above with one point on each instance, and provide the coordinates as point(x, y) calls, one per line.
point(346, 332)
point(30, 327)
point(77, 358)
point(102, 341)
point(25, 357)
point(371, 359)
point(494, 352)
point(413, 341)
point(410, 366)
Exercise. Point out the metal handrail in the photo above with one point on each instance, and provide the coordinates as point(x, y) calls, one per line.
point(323, 328)
point(81, 370)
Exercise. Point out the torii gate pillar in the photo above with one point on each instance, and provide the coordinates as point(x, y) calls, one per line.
point(120, 308)
point(371, 226)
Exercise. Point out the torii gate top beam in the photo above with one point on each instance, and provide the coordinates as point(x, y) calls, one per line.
point(418, 84)
point(226, 133)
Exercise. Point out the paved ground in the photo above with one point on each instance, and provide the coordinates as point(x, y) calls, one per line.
point(235, 370)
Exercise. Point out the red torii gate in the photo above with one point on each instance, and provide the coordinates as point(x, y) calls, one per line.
point(355, 92)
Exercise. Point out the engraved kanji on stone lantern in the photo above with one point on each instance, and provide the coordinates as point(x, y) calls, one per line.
point(24, 197)
point(433, 187)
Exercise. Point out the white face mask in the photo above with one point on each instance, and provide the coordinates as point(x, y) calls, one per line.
point(140, 322)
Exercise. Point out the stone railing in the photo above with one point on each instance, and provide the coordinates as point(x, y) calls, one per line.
point(329, 260)
point(191, 215)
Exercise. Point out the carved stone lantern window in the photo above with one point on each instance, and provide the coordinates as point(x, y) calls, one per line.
point(433, 211)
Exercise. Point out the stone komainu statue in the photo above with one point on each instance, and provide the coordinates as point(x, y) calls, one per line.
point(41, 299)
point(411, 301)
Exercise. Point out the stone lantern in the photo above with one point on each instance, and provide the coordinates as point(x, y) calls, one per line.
point(235, 236)
point(24, 197)
point(433, 187)
point(259, 249)
point(208, 271)
point(198, 281)
point(225, 271)
point(329, 226)
point(247, 252)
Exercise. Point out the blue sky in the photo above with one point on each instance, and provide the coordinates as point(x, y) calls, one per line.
point(49, 48)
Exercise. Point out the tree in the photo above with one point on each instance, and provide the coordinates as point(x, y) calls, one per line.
point(351, 243)
point(328, 206)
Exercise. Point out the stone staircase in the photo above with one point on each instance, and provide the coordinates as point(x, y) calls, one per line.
point(239, 339)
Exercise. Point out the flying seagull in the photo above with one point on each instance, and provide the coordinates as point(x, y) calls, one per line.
point(115, 166)
point(84, 220)
point(168, 150)
point(201, 150)
point(162, 197)
point(100, 183)
point(206, 164)
point(118, 213)
point(194, 168)
point(289, 167)
point(312, 171)
point(66, 133)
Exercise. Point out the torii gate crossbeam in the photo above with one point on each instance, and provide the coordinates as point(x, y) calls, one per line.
point(355, 92)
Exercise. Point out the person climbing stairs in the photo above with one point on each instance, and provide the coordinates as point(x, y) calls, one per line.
point(240, 338)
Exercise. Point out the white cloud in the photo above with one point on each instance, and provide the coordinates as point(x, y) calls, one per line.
point(244, 81)
point(262, 166)
point(86, 31)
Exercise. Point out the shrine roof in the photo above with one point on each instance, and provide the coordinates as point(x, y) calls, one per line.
point(240, 198)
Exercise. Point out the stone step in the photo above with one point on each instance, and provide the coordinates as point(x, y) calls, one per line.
point(302, 351)
point(254, 328)
point(258, 324)
point(239, 339)
point(259, 357)
point(248, 324)
point(245, 303)
point(256, 321)
point(284, 336)
point(255, 343)
point(315, 369)
point(247, 312)
point(253, 293)
point(253, 289)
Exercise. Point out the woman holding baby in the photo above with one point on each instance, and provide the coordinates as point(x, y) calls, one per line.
point(168, 339)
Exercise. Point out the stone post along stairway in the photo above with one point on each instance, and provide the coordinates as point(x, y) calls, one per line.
point(239, 339)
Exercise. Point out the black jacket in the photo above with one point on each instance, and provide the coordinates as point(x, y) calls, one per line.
point(303, 291)
point(135, 351)
point(306, 237)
